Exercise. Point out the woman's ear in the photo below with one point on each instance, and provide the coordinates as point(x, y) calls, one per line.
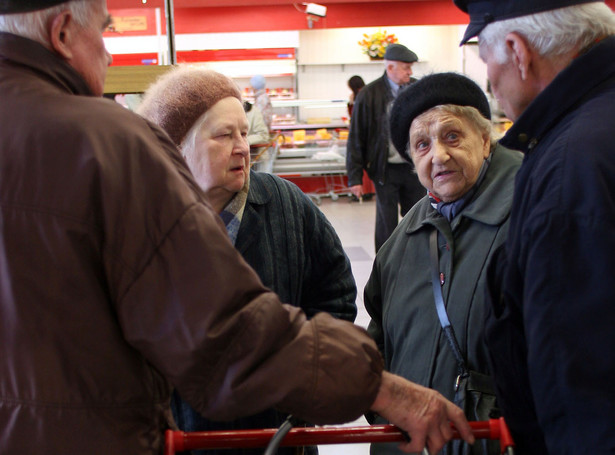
point(486, 146)
point(61, 34)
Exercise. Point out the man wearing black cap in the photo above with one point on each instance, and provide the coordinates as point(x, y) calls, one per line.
point(118, 280)
point(369, 146)
point(551, 63)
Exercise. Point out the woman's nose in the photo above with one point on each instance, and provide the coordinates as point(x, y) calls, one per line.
point(439, 153)
point(241, 144)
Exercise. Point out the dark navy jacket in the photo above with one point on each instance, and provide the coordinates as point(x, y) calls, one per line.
point(551, 333)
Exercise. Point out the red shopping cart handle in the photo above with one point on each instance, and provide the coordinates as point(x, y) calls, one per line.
point(180, 440)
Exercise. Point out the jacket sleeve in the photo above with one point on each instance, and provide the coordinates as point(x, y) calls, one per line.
point(372, 298)
point(191, 306)
point(356, 154)
point(329, 284)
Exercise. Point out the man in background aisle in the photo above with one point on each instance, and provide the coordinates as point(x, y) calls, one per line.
point(261, 99)
point(369, 145)
point(551, 64)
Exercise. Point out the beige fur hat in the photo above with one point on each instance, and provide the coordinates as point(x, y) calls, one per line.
point(179, 98)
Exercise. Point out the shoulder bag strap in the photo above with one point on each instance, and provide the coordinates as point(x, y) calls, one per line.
point(439, 300)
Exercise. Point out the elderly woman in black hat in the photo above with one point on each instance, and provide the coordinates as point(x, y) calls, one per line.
point(430, 274)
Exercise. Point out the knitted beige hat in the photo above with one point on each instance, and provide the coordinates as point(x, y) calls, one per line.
point(180, 97)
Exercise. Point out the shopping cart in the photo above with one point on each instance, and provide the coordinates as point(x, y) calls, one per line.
point(263, 155)
point(177, 441)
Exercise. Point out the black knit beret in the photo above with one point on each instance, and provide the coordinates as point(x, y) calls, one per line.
point(431, 91)
point(483, 12)
point(24, 6)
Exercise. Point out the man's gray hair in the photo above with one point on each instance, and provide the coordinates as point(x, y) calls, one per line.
point(552, 33)
point(33, 25)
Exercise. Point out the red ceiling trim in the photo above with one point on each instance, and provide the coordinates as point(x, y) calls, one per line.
point(221, 55)
point(286, 16)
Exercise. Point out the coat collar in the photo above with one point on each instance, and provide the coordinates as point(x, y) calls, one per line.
point(260, 193)
point(491, 203)
point(35, 56)
point(568, 88)
point(252, 222)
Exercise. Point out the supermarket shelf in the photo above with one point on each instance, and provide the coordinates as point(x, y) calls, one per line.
point(310, 126)
point(290, 102)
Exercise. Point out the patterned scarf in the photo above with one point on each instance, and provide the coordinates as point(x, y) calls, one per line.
point(233, 212)
point(449, 210)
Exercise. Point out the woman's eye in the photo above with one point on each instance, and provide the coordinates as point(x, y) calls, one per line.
point(452, 136)
point(421, 146)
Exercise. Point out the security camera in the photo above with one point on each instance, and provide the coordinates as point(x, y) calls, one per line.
point(315, 9)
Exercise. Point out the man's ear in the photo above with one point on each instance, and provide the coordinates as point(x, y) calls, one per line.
point(521, 55)
point(61, 34)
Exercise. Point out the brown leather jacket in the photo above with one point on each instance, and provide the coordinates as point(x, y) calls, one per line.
point(118, 281)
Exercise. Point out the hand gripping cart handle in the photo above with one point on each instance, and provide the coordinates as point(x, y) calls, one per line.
point(180, 441)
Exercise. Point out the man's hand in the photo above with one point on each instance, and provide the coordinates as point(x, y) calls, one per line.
point(423, 413)
point(357, 190)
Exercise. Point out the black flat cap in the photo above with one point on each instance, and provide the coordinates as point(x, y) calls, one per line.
point(431, 91)
point(400, 53)
point(24, 6)
point(483, 12)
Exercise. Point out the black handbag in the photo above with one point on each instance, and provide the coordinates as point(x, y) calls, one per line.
point(474, 391)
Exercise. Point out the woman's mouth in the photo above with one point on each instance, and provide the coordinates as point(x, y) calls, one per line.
point(442, 174)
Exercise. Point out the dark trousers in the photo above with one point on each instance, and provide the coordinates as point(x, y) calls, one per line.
point(400, 191)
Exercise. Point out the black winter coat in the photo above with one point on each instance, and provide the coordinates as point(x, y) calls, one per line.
point(368, 139)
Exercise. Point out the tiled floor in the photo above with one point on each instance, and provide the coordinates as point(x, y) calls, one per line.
point(354, 223)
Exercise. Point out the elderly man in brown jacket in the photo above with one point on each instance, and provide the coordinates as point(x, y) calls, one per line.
point(118, 281)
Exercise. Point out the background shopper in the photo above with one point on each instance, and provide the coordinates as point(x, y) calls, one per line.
point(369, 146)
point(261, 98)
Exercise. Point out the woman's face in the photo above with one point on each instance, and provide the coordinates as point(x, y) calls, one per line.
point(220, 160)
point(448, 152)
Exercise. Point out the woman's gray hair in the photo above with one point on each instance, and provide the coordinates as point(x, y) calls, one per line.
point(552, 33)
point(34, 25)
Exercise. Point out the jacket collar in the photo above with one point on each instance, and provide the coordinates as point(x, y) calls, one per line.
point(252, 222)
point(569, 88)
point(259, 193)
point(35, 56)
point(491, 203)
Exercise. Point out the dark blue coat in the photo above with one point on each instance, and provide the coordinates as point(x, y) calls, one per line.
point(296, 252)
point(551, 332)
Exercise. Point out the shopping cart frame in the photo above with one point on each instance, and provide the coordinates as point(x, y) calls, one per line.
point(178, 441)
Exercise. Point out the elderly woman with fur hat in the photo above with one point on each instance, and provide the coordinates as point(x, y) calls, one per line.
point(276, 227)
point(439, 250)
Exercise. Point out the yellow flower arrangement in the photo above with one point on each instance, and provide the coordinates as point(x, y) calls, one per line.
point(375, 45)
